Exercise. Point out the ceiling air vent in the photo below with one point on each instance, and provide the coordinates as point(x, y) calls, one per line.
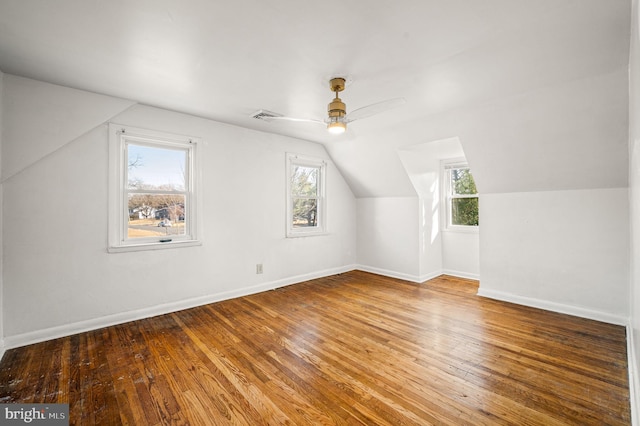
point(265, 115)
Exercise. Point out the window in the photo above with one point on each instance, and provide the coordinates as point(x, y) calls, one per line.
point(462, 208)
point(152, 196)
point(305, 196)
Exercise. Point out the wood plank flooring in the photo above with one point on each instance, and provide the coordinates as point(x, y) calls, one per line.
point(351, 349)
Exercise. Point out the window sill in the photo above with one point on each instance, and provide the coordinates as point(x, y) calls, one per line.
point(306, 234)
point(462, 229)
point(153, 246)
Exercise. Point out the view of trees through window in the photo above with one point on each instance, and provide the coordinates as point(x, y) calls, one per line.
point(156, 191)
point(304, 195)
point(464, 198)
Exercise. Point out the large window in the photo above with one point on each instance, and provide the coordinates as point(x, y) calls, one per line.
point(462, 206)
point(305, 196)
point(153, 198)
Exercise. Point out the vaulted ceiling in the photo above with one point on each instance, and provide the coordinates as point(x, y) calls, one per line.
point(538, 87)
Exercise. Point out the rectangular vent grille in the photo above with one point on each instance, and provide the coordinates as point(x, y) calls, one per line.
point(265, 115)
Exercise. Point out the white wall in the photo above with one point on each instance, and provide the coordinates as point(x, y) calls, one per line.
point(431, 238)
point(461, 253)
point(58, 276)
point(441, 251)
point(1, 240)
point(566, 251)
point(634, 189)
point(570, 136)
point(402, 237)
point(560, 152)
point(388, 236)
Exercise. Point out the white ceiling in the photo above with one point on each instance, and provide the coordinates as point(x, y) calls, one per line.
point(225, 60)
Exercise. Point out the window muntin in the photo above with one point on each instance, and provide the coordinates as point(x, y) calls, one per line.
point(305, 196)
point(462, 202)
point(153, 189)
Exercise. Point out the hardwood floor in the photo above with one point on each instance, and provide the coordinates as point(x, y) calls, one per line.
point(353, 349)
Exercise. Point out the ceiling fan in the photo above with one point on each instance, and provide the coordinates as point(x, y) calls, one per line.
point(337, 117)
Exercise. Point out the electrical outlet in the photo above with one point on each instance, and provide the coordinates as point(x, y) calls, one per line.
point(258, 268)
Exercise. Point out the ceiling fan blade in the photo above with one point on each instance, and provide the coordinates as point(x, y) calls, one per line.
point(270, 116)
point(369, 110)
point(305, 120)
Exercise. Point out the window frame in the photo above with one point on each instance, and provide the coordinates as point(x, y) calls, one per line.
point(321, 219)
point(119, 138)
point(449, 196)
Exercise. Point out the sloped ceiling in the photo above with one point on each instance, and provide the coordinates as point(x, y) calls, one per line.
point(497, 74)
point(29, 116)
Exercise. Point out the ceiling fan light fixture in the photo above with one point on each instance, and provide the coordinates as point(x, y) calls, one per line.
point(336, 126)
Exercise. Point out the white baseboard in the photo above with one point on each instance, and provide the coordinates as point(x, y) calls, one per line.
point(634, 385)
point(166, 308)
point(391, 274)
point(461, 274)
point(416, 278)
point(426, 277)
point(553, 306)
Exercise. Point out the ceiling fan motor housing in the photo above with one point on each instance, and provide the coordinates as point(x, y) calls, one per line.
point(337, 108)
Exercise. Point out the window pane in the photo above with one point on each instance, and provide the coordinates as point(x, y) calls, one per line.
point(304, 181)
point(464, 211)
point(305, 213)
point(462, 182)
point(156, 168)
point(152, 215)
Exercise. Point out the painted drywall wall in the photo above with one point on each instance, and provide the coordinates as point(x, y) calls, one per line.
point(388, 236)
point(401, 237)
point(461, 253)
point(1, 242)
point(562, 250)
point(634, 197)
point(568, 136)
point(430, 240)
point(421, 166)
point(441, 251)
point(528, 152)
point(58, 275)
